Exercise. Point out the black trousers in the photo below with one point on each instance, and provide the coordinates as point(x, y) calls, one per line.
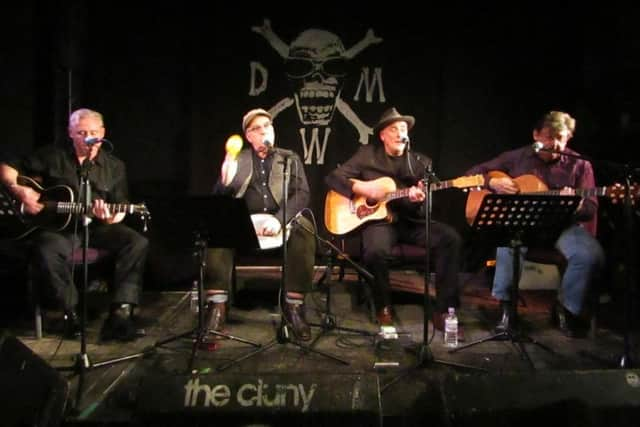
point(128, 249)
point(301, 251)
point(446, 245)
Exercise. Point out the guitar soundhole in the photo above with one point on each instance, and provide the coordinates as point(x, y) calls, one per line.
point(364, 211)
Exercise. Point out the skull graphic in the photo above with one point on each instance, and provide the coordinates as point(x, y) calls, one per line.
point(316, 67)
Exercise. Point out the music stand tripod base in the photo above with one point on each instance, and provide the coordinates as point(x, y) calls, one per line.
point(520, 220)
point(203, 222)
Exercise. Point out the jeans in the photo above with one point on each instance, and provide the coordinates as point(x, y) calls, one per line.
point(585, 261)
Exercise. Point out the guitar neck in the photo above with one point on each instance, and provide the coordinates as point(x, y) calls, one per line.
point(404, 192)
point(582, 192)
point(78, 208)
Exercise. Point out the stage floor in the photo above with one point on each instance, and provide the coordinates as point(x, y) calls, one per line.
point(407, 390)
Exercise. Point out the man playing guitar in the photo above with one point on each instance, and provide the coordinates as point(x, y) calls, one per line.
point(61, 167)
point(566, 174)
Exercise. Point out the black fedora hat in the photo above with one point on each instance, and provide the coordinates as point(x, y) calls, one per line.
point(390, 116)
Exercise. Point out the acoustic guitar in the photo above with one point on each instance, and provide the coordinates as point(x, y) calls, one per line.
point(59, 208)
point(342, 214)
point(531, 184)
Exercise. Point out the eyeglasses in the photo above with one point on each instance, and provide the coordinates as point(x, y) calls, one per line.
point(259, 127)
point(302, 67)
point(85, 133)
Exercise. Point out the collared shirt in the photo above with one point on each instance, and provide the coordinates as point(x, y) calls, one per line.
point(52, 165)
point(258, 197)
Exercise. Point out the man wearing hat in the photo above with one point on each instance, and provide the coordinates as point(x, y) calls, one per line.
point(357, 177)
point(256, 174)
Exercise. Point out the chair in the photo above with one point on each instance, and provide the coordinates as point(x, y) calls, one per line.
point(94, 257)
point(406, 257)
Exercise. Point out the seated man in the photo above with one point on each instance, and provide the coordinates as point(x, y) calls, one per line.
point(256, 175)
point(359, 175)
point(54, 165)
point(583, 254)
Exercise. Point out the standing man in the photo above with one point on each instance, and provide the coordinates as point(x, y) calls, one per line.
point(358, 177)
point(256, 174)
point(53, 165)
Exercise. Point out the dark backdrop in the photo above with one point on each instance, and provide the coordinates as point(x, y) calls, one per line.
point(174, 80)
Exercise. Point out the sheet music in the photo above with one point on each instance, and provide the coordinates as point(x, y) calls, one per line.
point(266, 242)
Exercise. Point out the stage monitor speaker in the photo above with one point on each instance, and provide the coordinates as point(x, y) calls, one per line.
point(317, 399)
point(564, 398)
point(32, 393)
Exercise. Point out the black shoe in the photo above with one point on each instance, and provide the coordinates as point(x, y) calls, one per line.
point(569, 324)
point(294, 314)
point(72, 329)
point(503, 324)
point(119, 325)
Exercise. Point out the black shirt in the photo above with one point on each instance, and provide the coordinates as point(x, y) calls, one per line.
point(52, 165)
point(258, 197)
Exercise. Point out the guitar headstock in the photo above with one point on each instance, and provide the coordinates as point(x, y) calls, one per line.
point(616, 192)
point(470, 182)
point(144, 214)
point(141, 209)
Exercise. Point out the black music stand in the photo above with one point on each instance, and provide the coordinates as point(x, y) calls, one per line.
point(520, 220)
point(212, 222)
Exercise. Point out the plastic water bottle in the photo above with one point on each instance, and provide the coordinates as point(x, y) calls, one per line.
point(451, 328)
point(193, 303)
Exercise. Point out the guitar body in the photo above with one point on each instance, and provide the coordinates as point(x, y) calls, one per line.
point(526, 183)
point(16, 225)
point(342, 215)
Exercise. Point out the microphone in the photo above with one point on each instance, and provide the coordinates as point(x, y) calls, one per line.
point(93, 140)
point(233, 145)
point(404, 139)
point(537, 146)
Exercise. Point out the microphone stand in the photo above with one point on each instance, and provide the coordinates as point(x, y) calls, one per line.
point(283, 335)
point(423, 351)
point(328, 322)
point(82, 361)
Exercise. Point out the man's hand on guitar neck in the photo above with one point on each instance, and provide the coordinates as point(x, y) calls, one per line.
point(416, 193)
point(101, 211)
